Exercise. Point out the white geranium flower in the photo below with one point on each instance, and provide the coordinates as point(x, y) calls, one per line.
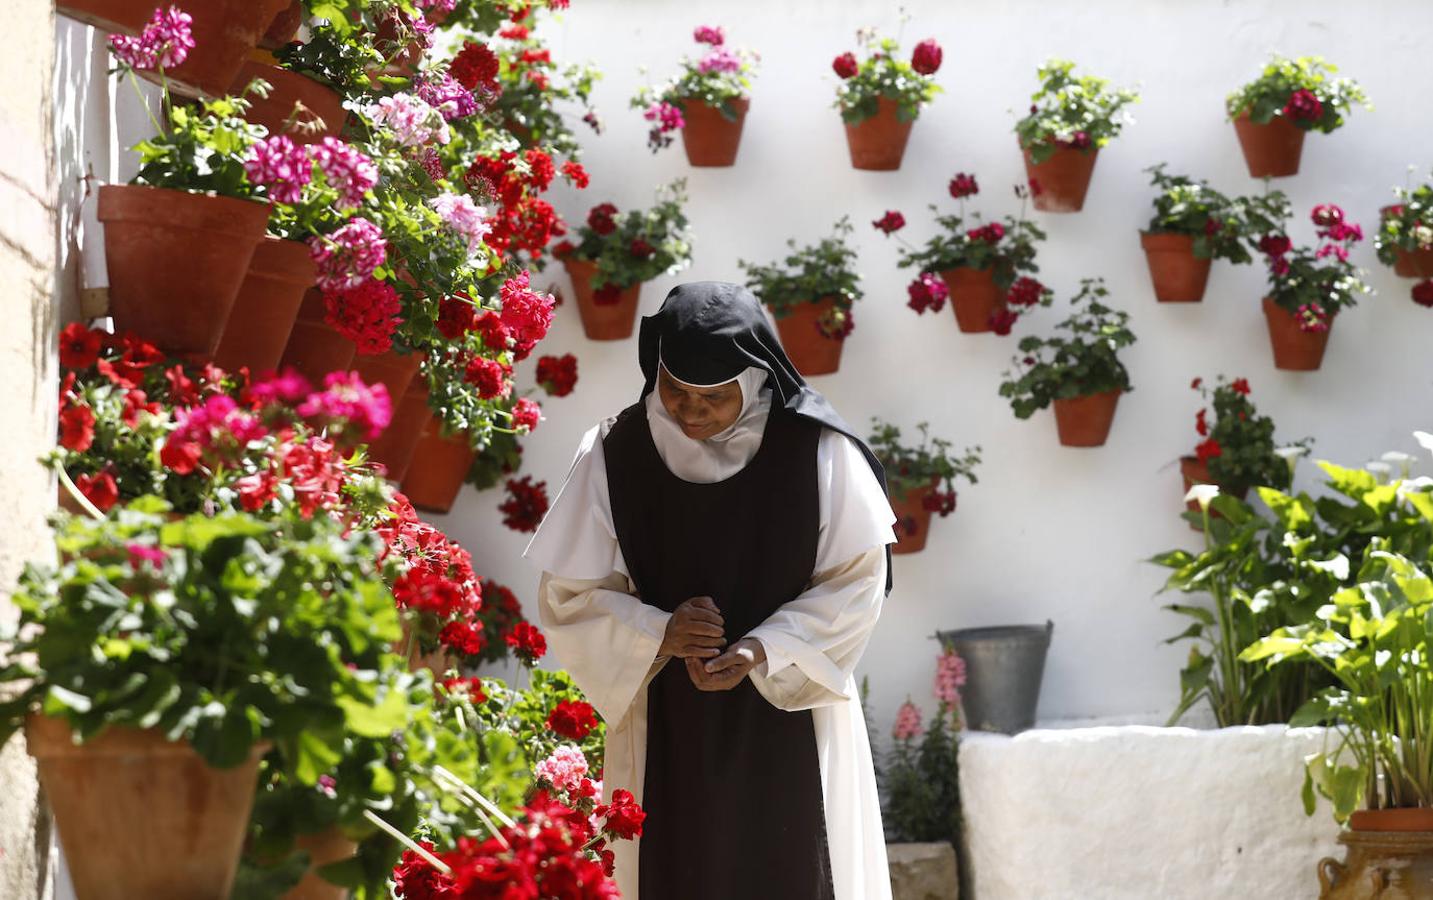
point(1203, 494)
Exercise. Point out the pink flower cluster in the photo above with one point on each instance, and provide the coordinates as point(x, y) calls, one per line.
point(709, 34)
point(1304, 106)
point(279, 166)
point(216, 431)
point(665, 116)
point(1313, 318)
point(1336, 230)
point(465, 218)
point(346, 169)
point(564, 769)
point(927, 292)
point(719, 60)
point(949, 678)
point(366, 314)
point(346, 402)
point(908, 722)
point(412, 121)
point(526, 314)
point(163, 43)
point(448, 97)
point(347, 258)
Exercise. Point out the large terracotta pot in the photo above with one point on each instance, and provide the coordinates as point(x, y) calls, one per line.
point(1295, 350)
point(912, 519)
point(710, 138)
point(314, 347)
point(1179, 276)
point(1272, 150)
point(974, 296)
point(1388, 856)
point(440, 466)
point(285, 26)
point(1085, 421)
point(140, 816)
point(810, 351)
point(602, 321)
point(290, 88)
point(879, 143)
point(1059, 184)
point(263, 314)
point(398, 443)
point(176, 261)
point(323, 847)
point(393, 370)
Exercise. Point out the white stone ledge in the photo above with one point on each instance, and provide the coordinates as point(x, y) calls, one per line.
point(1138, 811)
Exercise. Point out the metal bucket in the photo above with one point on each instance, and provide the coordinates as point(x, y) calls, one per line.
point(1003, 667)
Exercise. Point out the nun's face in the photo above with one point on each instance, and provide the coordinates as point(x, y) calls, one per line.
point(701, 411)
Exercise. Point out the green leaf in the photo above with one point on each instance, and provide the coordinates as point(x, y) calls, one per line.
point(367, 720)
point(314, 758)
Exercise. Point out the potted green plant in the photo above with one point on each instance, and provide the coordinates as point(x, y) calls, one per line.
point(914, 478)
point(1308, 287)
point(160, 659)
point(1405, 233)
point(616, 253)
point(810, 294)
point(1290, 97)
point(881, 96)
point(1080, 372)
point(1193, 225)
point(313, 78)
point(707, 102)
point(1070, 119)
point(982, 268)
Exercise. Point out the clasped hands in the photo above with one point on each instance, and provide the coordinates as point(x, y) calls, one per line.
point(696, 634)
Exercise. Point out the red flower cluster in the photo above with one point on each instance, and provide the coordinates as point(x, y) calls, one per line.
point(990, 234)
point(623, 817)
point(600, 218)
point(501, 615)
point(1208, 449)
point(963, 185)
point(927, 292)
point(1276, 247)
point(572, 719)
point(557, 374)
point(942, 503)
point(100, 489)
point(575, 174)
point(1003, 320)
point(489, 376)
point(926, 57)
point(476, 68)
point(526, 314)
point(457, 315)
point(366, 314)
point(641, 249)
point(523, 220)
point(527, 643)
point(1025, 291)
point(1304, 106)
point(845, 66)
point(891, 222)
point(439, 583)
point(526, 504)
point(1423, 292)
point(525, 415)
point(1240, 386)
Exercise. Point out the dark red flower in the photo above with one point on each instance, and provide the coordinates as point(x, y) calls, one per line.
point(1194, 385)
point(1240, 386)
point(495, 333)
point(572, 719)
point(563, 249)
point(77, 428)
point(457, 315)
point(476, 66)
point(1025, 291)
point(942, 503)
point(926, 57)
point(557, 374)
point(573, 172)
point(1208, 449)
point(489, 376)
point(1423, 292)
point(1201, 423)
point(607, 295)
point(79, 346)
point(1002, 320)
point(1304, 106)
point(927, 292)
point(622, 817)
point(526, 504)
point(529, 645)
point(99, 489)
point(641, 249)
point(845, 66)
point(1212, 226)
point(601, 220)
point(891, 222)
point(1326, 214)
point(514, 32)
point(1275, 245)
point(963, 185)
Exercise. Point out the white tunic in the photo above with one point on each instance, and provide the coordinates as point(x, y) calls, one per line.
point(608, 640)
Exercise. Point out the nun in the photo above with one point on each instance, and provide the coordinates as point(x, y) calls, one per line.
point(712, 570)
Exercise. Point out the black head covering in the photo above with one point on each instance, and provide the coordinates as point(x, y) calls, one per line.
point(708, 332)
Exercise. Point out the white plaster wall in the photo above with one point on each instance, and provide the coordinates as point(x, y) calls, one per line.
point(1129, 813)
point(1049, 532)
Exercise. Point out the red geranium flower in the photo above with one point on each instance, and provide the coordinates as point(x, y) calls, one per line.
point(489, 376)
point(77, 428)
point(462, 638)
point(99, 489)
point(891, 222)
point(1423, 292)
point(1002, 320)
point(600, 218)
point(476, 66)
point(572, 719)
point(623, 817)
point(641, 249)
point(1025, 291)
point(1201, 422)
point(526, 504)
point(963, 185)
point(557, 374)
point(529, 645)
point(79, 346)
point(525, 415)
point(457, 315)
point(845, 66)
point(1304, 106)
point(1240, 386)
point(1208, 449)
point(574, 173)
point(927, 57)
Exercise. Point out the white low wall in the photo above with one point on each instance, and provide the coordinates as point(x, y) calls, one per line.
point(1138, 812)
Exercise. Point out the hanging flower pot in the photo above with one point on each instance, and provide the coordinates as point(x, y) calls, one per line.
point(1085, 421)
point(1272, 150)
point(879, 142)
point(1059, 184)
point(314, 348)
point(395, 371)
point(1178, 275)
point(323, 847)
point(264, 311)
point(974, 296)
point(912, 518)
point(285, 26)
point(808, 347)
point(1389, 853)
point(289, 89)
point(710, 138)
point(140, 816)
point(603, 318)
point(1295, 349)
point(395, 448)
point(1409, 263)
point(440, 466)
point(176, 261)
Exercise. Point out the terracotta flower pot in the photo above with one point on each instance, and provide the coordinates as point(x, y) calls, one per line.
point(1410, 263)
point(912, 519)
point(176, 261)
point(710, 138)
point(324, 847)
point(314, 347)
point(879, 143)
point(1295, 350)
point(1059, 184)
point(285, 26)
point(393, 370)
point(974, 297)
point(1085, 421)
point(1389, 853)
point(1178, 275)
point(290, 88)
point(810, 351)
point(440, 466)
point(1272, 150)
point(438, 662)
point(602, 321)
point(140, 816)
point(264, 311)
point(396, 446)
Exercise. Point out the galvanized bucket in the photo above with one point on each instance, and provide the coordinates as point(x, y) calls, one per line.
point(1003, 667)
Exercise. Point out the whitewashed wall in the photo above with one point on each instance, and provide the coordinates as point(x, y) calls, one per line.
point(1048, 532)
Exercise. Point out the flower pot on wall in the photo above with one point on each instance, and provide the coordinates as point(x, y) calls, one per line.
point(1295, 350)
point(1178, 275)
point(912, 519)
point(284, 27)
point(176, 261)
point(811, 351)
point(1410, 263)
point(1380, 861)
point(602, 321)
point(314, 347)
point(396, 446)
point(710, 138)
point(323, 847)
point(267, 304)
point(1272, 150)
point(140, 816)
point(974, 297)
point(440, 466)
point(1085, 421)
point(879, 142)
point(1059, 184)
point(290, 88)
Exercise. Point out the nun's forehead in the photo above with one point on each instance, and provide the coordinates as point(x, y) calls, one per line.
point(687, 384)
